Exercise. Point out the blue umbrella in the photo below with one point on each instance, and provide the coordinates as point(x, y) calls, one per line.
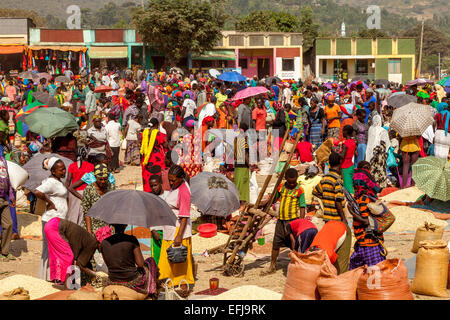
point(231, 76)
point(447, 83)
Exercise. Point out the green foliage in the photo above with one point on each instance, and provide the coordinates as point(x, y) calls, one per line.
point(257, 21)
point(177, 27)
point(434, 41)
point(18, 13)
point(308, 27)
point(372, 33)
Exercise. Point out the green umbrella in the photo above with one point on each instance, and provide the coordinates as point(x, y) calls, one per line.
point(51, 122)
point(432, 176)
point(442, 81)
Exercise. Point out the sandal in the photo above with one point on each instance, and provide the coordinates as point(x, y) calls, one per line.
point(267, 272)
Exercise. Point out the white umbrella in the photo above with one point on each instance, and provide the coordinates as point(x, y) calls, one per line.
point(412, 119)
point(214, 73)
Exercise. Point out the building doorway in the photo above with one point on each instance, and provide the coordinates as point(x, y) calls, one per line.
point(263, 68)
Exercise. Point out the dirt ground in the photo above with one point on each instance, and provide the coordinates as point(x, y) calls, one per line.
point(28, 253)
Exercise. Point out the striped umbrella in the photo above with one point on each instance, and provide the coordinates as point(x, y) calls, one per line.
point(443, 80)
point(412, 119)
point(29, 109)
point(432, 176)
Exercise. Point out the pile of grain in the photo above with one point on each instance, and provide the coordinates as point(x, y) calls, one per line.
point(409, 219)
point(200, 244)
point(36, 287)
point(404, 195)
point(247, 293)
point(29, 224)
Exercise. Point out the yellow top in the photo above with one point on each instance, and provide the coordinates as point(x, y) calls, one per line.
point(410, 144)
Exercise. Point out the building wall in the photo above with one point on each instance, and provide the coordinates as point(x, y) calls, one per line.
point(64, 36)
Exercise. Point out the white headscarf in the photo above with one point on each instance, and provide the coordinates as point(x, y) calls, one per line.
point(376, 134)
point(48, 163)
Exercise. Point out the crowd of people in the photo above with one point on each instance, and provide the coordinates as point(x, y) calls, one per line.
point(165, 121)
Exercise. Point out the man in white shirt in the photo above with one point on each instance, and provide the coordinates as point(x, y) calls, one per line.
point(113, 132)
point(115, 86)
point(189, 107)
point(91, 104)
point(106, 80)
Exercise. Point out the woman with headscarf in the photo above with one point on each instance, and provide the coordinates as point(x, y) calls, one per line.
point(75, 172)
point(378, 144)
point(317, 120)
point(92, 193)
point(442, 137)
point(54, 193)
point(153, 149)
point(179, 200)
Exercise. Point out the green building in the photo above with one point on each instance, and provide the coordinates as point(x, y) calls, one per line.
point(382, 58)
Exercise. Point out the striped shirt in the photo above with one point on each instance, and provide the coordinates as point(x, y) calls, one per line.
point(240, 149)
point(330, 191)
point(362, 239)
point(60, 99)
point(290, 202)
point(440, 121)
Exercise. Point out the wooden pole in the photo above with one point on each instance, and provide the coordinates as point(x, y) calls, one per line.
point(420, 52)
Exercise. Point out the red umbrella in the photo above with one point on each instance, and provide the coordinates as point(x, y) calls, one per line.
point(103, 89)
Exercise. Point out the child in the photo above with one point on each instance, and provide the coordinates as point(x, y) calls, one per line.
point(292, 206)
point(301, 233)
point(304, 150)
point(347, 153)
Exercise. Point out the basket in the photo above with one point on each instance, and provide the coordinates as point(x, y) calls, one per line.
point(170, 293)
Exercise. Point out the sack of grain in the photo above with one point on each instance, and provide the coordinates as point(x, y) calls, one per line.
point(339, 287)
point(303, 272)
point(431, 269)
point(84, 295)
point(16, 294)
point(324, 151)
point(388, 280)
point(64, 294)
point(428, 231)
point(115, 292)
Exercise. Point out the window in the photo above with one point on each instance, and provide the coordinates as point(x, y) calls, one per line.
point(324, 66)
point(243, 63)
point(362, 66)
point(288, 65)
point(340, 66)
point(394, 66)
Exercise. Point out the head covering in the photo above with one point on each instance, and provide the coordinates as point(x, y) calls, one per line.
point(331, 97)
point(103, 233)
point(375, 136)
point(189, 124)
point(101, 171)
point(364, 183)
point(96, 117)
point(48, 163)
point(207, 119)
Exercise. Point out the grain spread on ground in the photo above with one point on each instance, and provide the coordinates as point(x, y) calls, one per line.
point(200, 244)
point(404, 195)
point(247, 293)
point(37, 288)
point(29, 224)
point(409, 219)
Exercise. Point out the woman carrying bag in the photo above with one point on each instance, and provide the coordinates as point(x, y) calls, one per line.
point(177, 241)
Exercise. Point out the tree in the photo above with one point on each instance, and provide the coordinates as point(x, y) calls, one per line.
point(308, 27)
point(268, 21)
point(19, 13)
point(177, 27)
point(372, 33)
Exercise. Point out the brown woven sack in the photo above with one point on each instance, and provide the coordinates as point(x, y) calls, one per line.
point(431, 269)
point(339, 287)
point(303, 271)
point(64, 294)
point(115, 292)
point(428, 232)
point(388, 280)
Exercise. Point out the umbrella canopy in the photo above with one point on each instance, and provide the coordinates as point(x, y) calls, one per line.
point(432, 176)
point(250, 92)
point(443, 80)
point(103, 89)
point(62, 79)
point(224, 135)
point(231, 76)
point(383, 82)
point(37, 173)
point(28, 75)
point(365, 86)
point(44, 75)
point(29, 109)
point(176, 69)
point(399, 100)
point(446, 83)
point(393, 94)
point(412, 119)
point(360, 78)
point(270, 80)
point(214, 73)
point(51, 122)
point(133, 207)
point(418, 82)
point(214, 194)
point(46, 98)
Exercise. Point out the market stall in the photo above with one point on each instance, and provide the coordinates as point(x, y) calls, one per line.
point(56, 59)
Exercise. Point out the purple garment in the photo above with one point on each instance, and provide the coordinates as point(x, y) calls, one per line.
point(190, 93)
point(144, 87)
point(369, 256)
point(6, 190)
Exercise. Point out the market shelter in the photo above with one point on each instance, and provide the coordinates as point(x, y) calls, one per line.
point(102, 55)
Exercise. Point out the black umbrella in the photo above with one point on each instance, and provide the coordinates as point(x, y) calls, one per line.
point(37, 173)
point(46, 98)
point(400, 100)
point(270, 80)
point(133, 207)
point(382, 82)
